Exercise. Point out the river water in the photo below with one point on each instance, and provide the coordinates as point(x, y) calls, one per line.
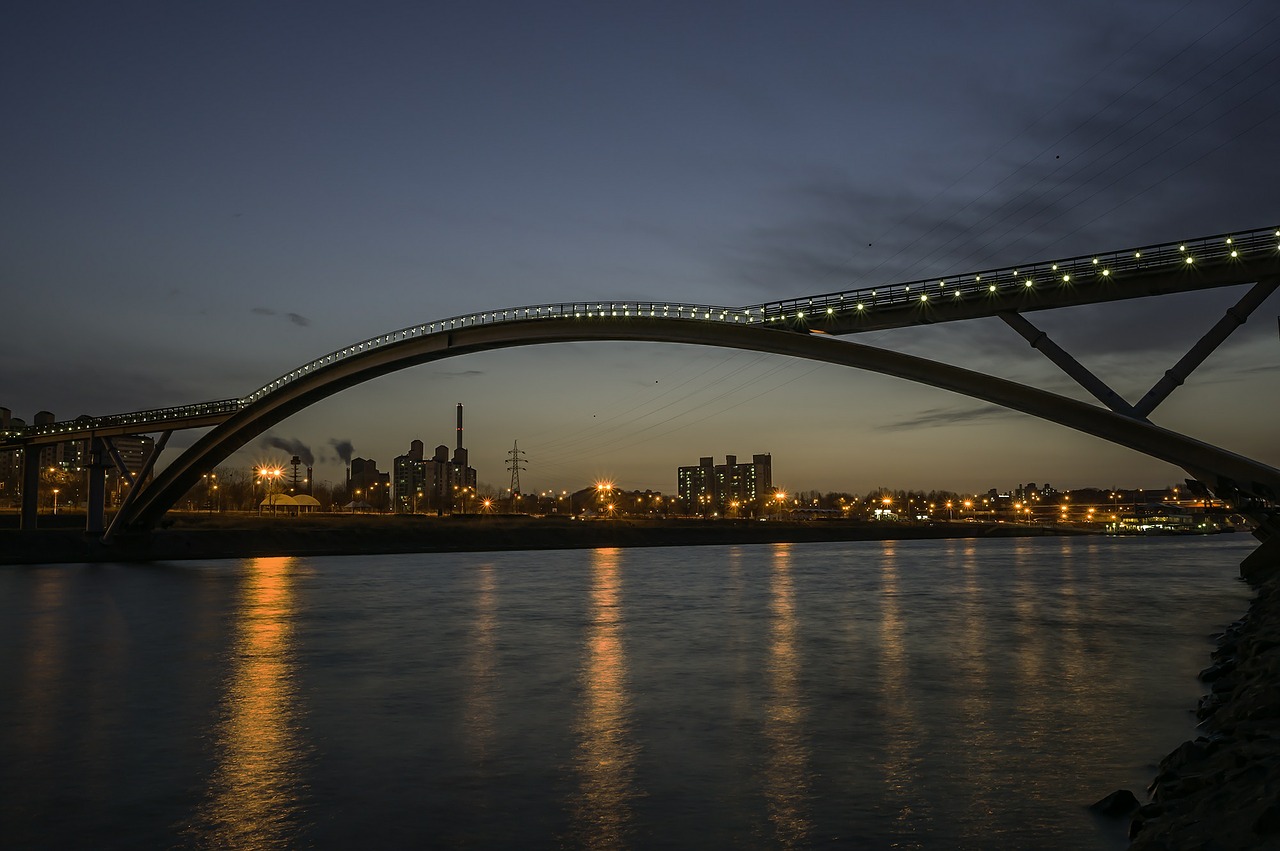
point(924, 694)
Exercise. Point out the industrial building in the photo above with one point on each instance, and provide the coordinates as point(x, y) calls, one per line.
point(437, 485)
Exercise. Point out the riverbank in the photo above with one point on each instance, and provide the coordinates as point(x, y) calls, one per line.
point(1222, 790)
point(201, 536)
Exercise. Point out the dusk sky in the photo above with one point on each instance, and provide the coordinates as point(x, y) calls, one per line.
point(198, 197)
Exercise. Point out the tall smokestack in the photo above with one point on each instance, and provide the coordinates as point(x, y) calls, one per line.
point(459, 425)
point(309, 477)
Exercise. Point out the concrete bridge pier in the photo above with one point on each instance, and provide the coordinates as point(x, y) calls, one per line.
point(95, 507)
point(30, 488)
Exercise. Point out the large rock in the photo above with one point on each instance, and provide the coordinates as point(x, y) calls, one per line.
point(1223, 790)
point(1121, 802)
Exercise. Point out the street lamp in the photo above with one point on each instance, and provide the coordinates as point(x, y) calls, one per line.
point(55, 500)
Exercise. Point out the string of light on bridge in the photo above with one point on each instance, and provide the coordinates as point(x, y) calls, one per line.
point(794, 313)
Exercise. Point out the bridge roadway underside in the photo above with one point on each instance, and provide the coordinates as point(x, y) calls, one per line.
point(1230, 473)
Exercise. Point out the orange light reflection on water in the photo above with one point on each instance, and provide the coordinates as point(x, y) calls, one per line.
point(606, 753)
point(786, 776)
point(902, 734)
point(482, 690)
point(253, 794)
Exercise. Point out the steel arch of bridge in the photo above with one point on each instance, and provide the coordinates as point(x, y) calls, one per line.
point(784, 327)
point(1201, 263)
point(1226, 471)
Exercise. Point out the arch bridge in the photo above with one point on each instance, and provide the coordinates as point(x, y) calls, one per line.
point(806, 327)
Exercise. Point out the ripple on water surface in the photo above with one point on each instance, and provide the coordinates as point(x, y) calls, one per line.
point(930, 694)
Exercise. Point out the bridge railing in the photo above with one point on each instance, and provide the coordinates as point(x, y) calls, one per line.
point(561, 310)
point(1085, 270)
point(135, 418)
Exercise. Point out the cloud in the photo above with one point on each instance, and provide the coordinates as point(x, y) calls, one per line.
point(295, 318)
point(1139, 154)
point(935, 417)
point(466, 373)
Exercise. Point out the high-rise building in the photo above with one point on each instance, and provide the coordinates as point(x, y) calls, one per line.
point(408, 491)
point(726, 489)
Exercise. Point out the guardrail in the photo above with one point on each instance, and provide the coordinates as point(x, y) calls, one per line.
point(563, 310)
point(1088, 269)
point(1072, 272)
point(155, 415)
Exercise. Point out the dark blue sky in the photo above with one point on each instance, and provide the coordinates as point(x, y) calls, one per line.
point(199, 197)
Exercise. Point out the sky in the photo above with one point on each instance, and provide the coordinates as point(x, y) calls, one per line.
point(197, 197)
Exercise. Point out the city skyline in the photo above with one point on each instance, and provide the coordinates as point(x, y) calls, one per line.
point(199, 201)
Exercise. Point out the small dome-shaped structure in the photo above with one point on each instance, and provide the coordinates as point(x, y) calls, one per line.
point(306, 502)
point(275, 502)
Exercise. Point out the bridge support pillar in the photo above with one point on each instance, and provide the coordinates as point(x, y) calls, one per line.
point(30, 487)
point(95, 508)
point(136, 488)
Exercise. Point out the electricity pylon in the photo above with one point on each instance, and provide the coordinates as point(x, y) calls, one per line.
point(515, 462)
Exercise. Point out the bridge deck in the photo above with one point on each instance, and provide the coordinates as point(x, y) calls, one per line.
point(1203, 263)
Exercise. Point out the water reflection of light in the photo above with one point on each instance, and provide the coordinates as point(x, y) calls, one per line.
point(253, 794)
point(978, 733)
point(40, 689)
point(46, 670)
point(1035, 709)
point(902, 763)
point(481, 701)
point(786, 779)
point(606, 754)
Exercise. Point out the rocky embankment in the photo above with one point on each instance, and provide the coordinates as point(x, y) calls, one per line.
point(1222, 791)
